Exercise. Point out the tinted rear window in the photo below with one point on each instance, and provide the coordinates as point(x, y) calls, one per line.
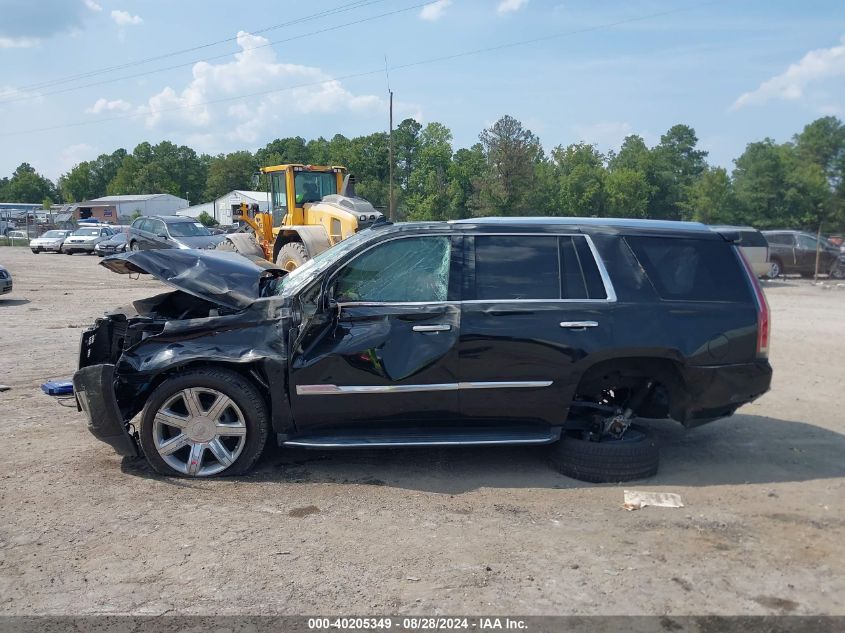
point(692, 270)
point(752, 238)
point(511, 267)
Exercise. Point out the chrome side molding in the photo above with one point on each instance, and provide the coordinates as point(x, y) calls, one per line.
point(326, 390)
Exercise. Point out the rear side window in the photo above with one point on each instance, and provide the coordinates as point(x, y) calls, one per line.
point(515, 267)
point(752, 238)
point(692, 270)
point(784, 239)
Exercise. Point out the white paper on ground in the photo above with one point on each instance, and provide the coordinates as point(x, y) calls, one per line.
point(635, 499)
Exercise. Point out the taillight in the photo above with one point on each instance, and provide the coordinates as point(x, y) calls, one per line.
point(763, 318)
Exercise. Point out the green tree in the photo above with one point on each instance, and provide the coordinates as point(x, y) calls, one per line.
point(428, 186)
point(627, 193)
point(710, 199)
point(582, 179)
point(466, 171)
point(406, 141)
point(512, 153)
point(676, 165)
point(27, 185)
point(206, 219)
point(229, 172)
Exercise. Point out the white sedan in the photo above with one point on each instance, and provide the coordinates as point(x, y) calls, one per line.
point(50, 242)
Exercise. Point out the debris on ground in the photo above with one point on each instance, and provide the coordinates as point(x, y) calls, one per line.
point(635, 499)
point(4, 387)
point(57, 387)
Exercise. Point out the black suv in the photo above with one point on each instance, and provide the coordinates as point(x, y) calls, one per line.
point(794, 252)
point(495, 331)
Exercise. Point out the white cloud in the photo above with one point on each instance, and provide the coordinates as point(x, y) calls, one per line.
point(254, 70)
point(124, 18)
point(817, 65)
point(73, 154)
point(104, 105)
point(19, 42)
point(434, 11)
point(509, 6)
point(93, 5)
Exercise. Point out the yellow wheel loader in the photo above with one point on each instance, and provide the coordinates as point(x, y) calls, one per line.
point(311, 209)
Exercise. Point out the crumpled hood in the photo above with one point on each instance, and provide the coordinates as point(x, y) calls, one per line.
point(226, 279)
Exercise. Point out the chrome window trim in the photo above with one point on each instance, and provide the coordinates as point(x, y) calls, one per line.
point(333, 390)
point(605, 277)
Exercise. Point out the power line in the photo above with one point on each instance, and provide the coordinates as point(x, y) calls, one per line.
point(430, 60)
point(206, 59)
point(62, 80)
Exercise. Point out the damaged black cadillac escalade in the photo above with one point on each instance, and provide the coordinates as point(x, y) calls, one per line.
point(559, 331)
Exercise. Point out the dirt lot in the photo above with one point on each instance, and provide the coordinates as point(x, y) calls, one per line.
point(473, 531)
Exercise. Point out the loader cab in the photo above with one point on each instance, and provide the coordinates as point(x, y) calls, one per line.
point(293, 186)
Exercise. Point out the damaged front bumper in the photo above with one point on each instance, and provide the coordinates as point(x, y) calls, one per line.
point(94, 390)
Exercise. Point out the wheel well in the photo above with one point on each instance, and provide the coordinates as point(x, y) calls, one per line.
point(250, 371)
point(284, 237)
point(623, 375)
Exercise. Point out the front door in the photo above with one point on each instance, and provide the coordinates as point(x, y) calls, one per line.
point(535, 306)
point(385, 353)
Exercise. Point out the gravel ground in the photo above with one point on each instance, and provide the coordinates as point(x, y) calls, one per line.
point(474, 531)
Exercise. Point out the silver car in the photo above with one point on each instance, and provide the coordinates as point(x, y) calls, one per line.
point(5, 281)
point(50, 242)
point(84, 239)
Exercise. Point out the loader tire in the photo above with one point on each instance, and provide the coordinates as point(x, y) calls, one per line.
point(242, 244)
point(292, 256)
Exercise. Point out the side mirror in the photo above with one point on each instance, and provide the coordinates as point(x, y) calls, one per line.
point(162, 235)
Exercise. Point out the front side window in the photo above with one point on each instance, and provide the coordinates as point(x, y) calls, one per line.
point(313, 186)
point(280, 191)
point(414, 269)
point(807, 243)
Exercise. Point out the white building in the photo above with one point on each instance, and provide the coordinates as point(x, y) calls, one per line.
point(226, 207)
point(118, 209)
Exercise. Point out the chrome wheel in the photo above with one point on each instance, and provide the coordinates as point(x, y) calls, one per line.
point(199, 431)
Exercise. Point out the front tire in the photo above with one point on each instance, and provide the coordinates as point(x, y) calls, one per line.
point(291, 256)
point(133, 246)
point(204, 423)
point(634, 456)
point(776, 270)
point(35, 251)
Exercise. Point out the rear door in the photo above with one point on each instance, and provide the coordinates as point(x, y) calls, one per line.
point(385, 354)
point(534, 306)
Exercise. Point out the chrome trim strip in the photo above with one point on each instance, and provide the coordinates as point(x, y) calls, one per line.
point(317, 444)
point(432, 328)
point(579, 324)
point(330, 390)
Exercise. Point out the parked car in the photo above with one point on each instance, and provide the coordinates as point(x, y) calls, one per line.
point(496, 331)
point(794, 252)
point(18, 236)
point(115, 244)
point(84, 239)
point(753, 245)
point(50, 242)
point(5, 280)
point(170, 231)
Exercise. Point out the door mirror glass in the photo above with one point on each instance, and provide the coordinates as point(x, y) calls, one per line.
point(414, 269)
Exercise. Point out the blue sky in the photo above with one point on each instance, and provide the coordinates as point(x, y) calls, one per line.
point(737, 71)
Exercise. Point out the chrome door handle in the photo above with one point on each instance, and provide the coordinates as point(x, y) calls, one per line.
point(432, 328)
point(578, 325)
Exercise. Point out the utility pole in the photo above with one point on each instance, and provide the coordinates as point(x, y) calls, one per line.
point(390, 205)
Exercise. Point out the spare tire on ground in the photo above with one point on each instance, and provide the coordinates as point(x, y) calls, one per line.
point(634, 456)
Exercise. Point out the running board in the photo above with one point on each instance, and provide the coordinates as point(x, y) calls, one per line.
point(445, 437)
